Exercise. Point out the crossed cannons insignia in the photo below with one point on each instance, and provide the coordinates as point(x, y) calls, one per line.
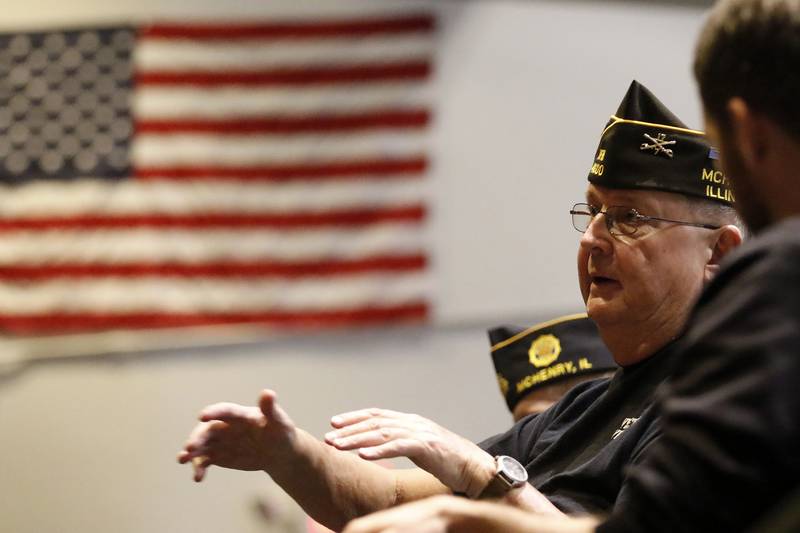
point(658, 144)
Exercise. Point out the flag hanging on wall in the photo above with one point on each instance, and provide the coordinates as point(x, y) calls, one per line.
point(198, 174)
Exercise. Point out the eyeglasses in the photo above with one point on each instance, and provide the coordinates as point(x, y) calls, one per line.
point(620, 220)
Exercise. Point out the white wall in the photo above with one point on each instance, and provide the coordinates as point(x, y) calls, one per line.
point(524, 89)
point(527, 87)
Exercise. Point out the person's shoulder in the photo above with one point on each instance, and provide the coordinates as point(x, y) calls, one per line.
point(780, 239)
point(761, 263)
point(579, 398)
point(787, 231)
point(592, 386)
point(747, 321)
point(581, 395)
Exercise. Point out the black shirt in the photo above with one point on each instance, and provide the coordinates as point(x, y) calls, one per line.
point(730, 448)
point(575, 452)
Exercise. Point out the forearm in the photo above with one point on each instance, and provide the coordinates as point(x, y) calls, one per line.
point(459, 465)
point(530, 499)
point(488, 517)
point(460, 515)
point(332, 486)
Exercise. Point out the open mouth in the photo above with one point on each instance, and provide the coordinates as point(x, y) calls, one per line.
point(602, 281)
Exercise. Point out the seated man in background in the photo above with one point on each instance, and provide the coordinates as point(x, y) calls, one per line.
point(653, 236)
point(537, 366)
point(727, 459)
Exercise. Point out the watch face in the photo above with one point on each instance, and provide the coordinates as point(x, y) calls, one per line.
point(513, 469)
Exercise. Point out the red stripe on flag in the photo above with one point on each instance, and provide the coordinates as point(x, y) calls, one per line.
point(381, 119)
point(75, 322)
point(384, 168)
point(400, 24)
point(317, 75)
point(350, 217)
point(229, 269)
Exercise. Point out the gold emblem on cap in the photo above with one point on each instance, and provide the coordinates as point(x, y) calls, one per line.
point(544, 350)
point(658, 144)
point(503, 382)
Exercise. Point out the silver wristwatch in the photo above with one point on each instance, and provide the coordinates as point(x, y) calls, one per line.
point(509, 474)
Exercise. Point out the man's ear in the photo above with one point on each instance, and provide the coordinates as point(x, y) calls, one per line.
point(728, 238)
point(747, 133)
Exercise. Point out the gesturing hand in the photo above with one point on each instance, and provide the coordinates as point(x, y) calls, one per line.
point(381, 434)
point(239, 437)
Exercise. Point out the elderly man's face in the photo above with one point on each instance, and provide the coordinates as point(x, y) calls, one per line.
point(649, 278)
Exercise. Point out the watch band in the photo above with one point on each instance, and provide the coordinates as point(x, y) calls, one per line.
point(497, 488)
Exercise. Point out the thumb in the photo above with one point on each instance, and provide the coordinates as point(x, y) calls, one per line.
point(267, 402)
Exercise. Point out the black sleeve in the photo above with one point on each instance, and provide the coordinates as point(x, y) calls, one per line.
point(519, 441)
point(729, 445)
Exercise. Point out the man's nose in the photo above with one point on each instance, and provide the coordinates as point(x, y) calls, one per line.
point(597, 237)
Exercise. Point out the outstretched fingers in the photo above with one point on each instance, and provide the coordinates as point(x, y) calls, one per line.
point(370, 425)
point(368, 436)
point(239, 437)
point(203, 434)
point(353, 417)
point(200, 466)
point(391, 449)
point(200, 461)
point(198, 447)
point(229, 412)
point(380, 437)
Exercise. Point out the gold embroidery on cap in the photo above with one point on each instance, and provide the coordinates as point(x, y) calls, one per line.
point(503, 382)
point(544, 350)
point(717, 186)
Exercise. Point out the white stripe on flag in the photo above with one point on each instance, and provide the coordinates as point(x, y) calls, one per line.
point(39, 199)
point(187, 54)
point(254, 149)
point(204, 295)
point(233, 102)
point(144, 245)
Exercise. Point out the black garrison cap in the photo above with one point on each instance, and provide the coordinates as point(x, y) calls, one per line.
point(645, 146)
point(527, 359)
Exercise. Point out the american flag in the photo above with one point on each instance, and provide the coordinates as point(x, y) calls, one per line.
point(195, 174)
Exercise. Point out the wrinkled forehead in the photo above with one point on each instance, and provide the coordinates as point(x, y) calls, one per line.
point(646, 201)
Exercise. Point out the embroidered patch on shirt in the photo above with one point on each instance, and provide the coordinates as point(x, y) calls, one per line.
point(628, 422)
